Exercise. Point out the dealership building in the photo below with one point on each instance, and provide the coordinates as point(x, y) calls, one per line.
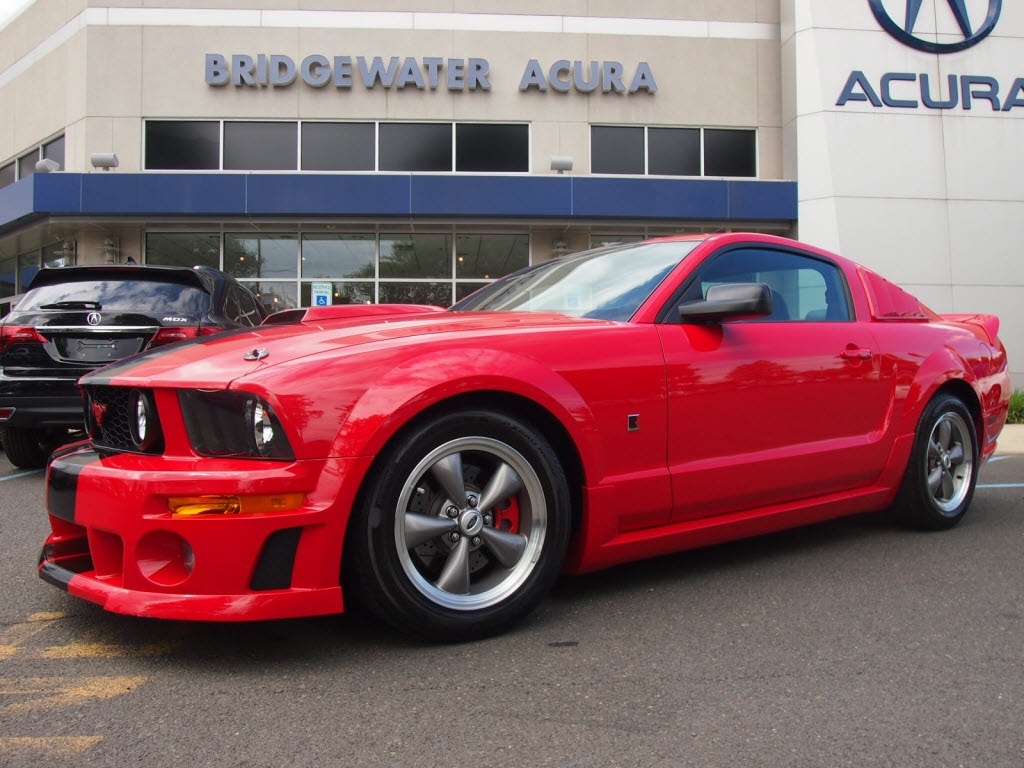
point(329, 151)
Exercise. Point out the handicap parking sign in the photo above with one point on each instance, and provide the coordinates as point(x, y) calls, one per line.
point(321, 294)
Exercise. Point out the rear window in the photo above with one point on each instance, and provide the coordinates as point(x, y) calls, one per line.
point(121, 295)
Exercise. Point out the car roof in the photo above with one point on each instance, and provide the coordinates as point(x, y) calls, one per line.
point(201, 277)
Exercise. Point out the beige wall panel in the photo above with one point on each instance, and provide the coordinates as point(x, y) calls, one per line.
point(114, 79)
point(769, 83)
point(698, 10)
point(76, 154)
point(29, 29)
point(564, 7)
point(769, 153)
point(768, 11)
point(36, 113)
point(97, 135)
point(126, 140)
point(563, 139)
point(7, 146)
point(173, 73)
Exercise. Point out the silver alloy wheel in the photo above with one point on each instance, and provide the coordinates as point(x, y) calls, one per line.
point(950, 462)
point(445, 518)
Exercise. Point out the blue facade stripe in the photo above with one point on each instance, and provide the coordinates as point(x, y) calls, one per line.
point(391, 195)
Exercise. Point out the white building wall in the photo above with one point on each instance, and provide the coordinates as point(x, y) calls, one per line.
point(931, 198)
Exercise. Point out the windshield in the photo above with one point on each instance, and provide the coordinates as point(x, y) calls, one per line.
point(608, 283)
point(122, 295)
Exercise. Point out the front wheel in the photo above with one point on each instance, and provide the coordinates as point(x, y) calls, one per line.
point(464, 527)
point(943, 470)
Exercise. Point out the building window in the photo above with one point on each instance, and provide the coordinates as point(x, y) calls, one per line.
point(640, 150)
point(730, 152)
point(618, 150)
point(54, 150)
point(173, 145)
point(8, 276)
point(360, 267)
point(8, 174)
point(673, 151)
point(413, 147)
point(260, 146)
point(183, 249)
point(492, 148)
point(27, 164)
point(338, 146)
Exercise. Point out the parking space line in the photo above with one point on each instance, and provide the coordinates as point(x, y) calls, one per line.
point(50, 747)
point(14, 637)
point(21, 474)
point(46, 692)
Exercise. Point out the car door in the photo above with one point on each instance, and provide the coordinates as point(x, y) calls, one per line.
point(770, 410)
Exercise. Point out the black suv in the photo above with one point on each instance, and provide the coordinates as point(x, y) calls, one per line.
point(73, 320)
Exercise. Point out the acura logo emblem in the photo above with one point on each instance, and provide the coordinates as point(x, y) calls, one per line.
point(972, 27)
point(93, 318)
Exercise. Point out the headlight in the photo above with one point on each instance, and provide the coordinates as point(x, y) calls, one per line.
point(143, 425)
point(231, 423)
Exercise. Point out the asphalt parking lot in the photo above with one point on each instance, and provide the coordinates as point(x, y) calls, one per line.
point(852, 643)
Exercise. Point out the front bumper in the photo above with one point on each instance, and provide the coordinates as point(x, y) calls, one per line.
point(114, 541)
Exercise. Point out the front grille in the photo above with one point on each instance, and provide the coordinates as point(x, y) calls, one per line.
point(110, 413)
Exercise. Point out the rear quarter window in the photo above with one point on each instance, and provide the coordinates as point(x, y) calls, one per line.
point(889, 301)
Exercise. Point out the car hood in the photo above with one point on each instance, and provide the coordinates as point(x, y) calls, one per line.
point(215, 361)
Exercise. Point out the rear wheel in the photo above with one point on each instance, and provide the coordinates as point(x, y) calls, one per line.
point(25, 448)
point(943, 470)
point(463, 529)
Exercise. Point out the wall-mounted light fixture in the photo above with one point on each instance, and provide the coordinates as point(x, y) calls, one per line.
point(559, 246)
point(561, 163)
point(111, 250)
point(104, 160)
point(46, 165)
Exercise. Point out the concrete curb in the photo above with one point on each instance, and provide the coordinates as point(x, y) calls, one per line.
point(1011, 440)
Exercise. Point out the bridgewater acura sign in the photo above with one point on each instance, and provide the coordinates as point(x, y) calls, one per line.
point(912, 90)
point(429, 72)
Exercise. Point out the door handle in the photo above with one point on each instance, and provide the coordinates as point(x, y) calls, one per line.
point(853, 352)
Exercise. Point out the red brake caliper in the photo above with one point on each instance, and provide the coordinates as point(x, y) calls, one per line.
point(507, 518)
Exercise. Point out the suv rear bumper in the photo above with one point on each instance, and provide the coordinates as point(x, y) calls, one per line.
point(41, 404)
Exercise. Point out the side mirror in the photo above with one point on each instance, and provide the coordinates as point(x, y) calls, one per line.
point(729, 301)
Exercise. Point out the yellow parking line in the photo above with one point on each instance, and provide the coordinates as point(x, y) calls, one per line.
point(47, 692)
point(80, 649)
point(51, 747)
point(12, 638)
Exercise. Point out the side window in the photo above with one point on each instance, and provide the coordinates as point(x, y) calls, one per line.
point(803, 288)
point(240, 307)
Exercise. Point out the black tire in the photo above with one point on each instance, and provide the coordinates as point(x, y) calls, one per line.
point(462, 529)
point(943, 469)
point(25, 447)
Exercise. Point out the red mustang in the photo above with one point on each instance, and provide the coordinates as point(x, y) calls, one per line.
point(445, 466)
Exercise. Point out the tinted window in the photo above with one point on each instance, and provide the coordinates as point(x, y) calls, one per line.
point(124, 295)
point(183, 249)
point(261, 146)
point(490, 256)
point(7, 175)
point(803, 287)
point(616, 150)
point(422, 256)
point(673, 151)
point(271, 256)
point(493, 148)
point(730, 153)
point(337, 146)
point(415, 147)
point(240, 307)
point(339, 255)
point(182, 145)
point(55, 151)
point(27, 164)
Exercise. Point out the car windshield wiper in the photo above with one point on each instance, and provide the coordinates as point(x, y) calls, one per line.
point(72, 305)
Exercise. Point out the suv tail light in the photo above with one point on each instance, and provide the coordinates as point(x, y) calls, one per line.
point(19, 334)
point(181, 333)
point(171, 335)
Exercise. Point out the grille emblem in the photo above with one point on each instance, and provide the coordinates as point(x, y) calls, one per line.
point(93, 318)
point(98, 412)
